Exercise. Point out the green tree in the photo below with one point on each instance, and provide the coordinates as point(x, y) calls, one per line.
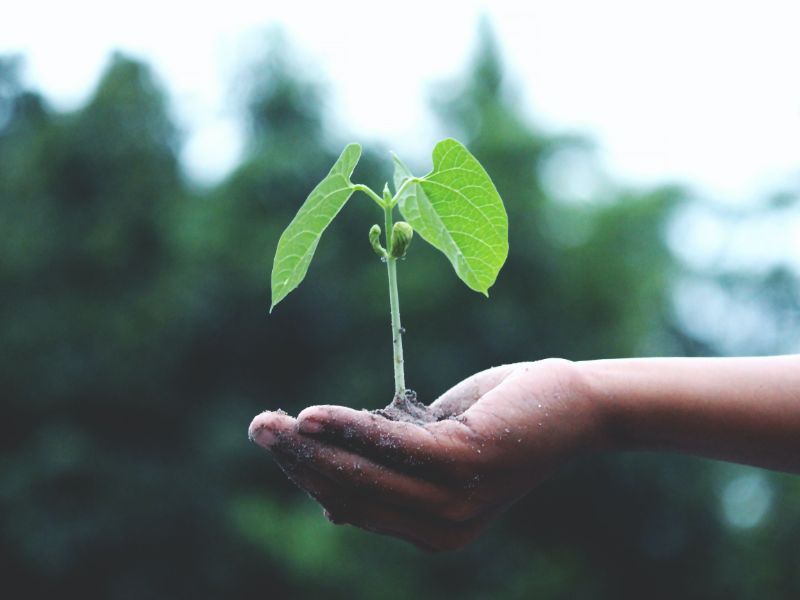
point(135, 348)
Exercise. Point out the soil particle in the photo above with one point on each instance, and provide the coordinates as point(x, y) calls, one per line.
point(473, 482)
point(405, 407)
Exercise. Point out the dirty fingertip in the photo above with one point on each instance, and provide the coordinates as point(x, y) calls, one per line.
point(264, 428)
point(312, 419)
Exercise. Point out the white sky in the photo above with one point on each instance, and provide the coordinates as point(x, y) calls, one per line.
point(701, 92)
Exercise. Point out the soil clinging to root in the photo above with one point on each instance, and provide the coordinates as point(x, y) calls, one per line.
point(405, 407)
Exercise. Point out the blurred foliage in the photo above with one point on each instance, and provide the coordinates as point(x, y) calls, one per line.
point(136, 348)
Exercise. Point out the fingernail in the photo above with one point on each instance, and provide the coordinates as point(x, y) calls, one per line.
point(310, 426)
point(262, 435)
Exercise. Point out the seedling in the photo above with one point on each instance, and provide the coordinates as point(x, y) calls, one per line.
point(455, 208)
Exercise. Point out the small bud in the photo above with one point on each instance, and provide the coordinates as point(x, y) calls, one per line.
point(401, 238)
point(387, 195)
point(375, 241)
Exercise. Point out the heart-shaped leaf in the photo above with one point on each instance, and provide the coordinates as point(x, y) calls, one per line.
point(457, 209)
point(299, 241)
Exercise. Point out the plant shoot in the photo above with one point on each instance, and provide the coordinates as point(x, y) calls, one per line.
point(455, 208)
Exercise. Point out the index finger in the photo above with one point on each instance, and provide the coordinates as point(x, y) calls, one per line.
point(431, 448)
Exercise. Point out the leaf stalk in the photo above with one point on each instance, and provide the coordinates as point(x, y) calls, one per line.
point(360, 187)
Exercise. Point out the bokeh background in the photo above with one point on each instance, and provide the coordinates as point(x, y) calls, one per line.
point(135, 345)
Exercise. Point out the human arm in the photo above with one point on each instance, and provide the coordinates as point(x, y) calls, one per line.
point(744, 410)
point(438, 485)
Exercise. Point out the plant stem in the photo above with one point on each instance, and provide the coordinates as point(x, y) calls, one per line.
point(358, 187)
point(403, 187)
point(394, 303)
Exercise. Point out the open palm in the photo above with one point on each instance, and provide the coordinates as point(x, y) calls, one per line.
point(498, 433)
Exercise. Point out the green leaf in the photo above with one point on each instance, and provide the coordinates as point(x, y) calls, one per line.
point(457, 209)
point(299, 242)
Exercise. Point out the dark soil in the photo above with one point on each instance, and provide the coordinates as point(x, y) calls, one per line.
point(405, 407)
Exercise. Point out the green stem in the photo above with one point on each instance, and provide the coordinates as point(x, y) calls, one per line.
point(394, 303)
point(359, 187)
point(403, 187)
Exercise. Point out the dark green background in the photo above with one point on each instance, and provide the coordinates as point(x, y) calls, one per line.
point(135, 348)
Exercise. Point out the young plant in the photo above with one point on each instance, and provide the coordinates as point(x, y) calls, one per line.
point(455, 208)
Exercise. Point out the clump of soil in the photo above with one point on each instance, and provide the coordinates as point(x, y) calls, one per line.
point(405, 407)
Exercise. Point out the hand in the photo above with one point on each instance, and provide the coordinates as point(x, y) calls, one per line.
point(438, 485)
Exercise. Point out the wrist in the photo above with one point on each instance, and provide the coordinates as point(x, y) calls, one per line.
point(587, 411)
point(600, 382)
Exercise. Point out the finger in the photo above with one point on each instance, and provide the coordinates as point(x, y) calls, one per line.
point(332, 497)
point(376, 481)
point(429, 533)
point(353, 472)
point(268, 426)
point(465, 393)
point(428, 450)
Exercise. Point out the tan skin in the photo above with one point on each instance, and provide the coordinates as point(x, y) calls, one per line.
point(438, 485)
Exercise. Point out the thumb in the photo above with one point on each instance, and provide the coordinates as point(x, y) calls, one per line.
point(464, 394)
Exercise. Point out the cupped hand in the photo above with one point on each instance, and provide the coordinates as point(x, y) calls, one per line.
point(439, 484)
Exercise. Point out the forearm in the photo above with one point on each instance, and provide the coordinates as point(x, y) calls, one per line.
point(743, 410)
